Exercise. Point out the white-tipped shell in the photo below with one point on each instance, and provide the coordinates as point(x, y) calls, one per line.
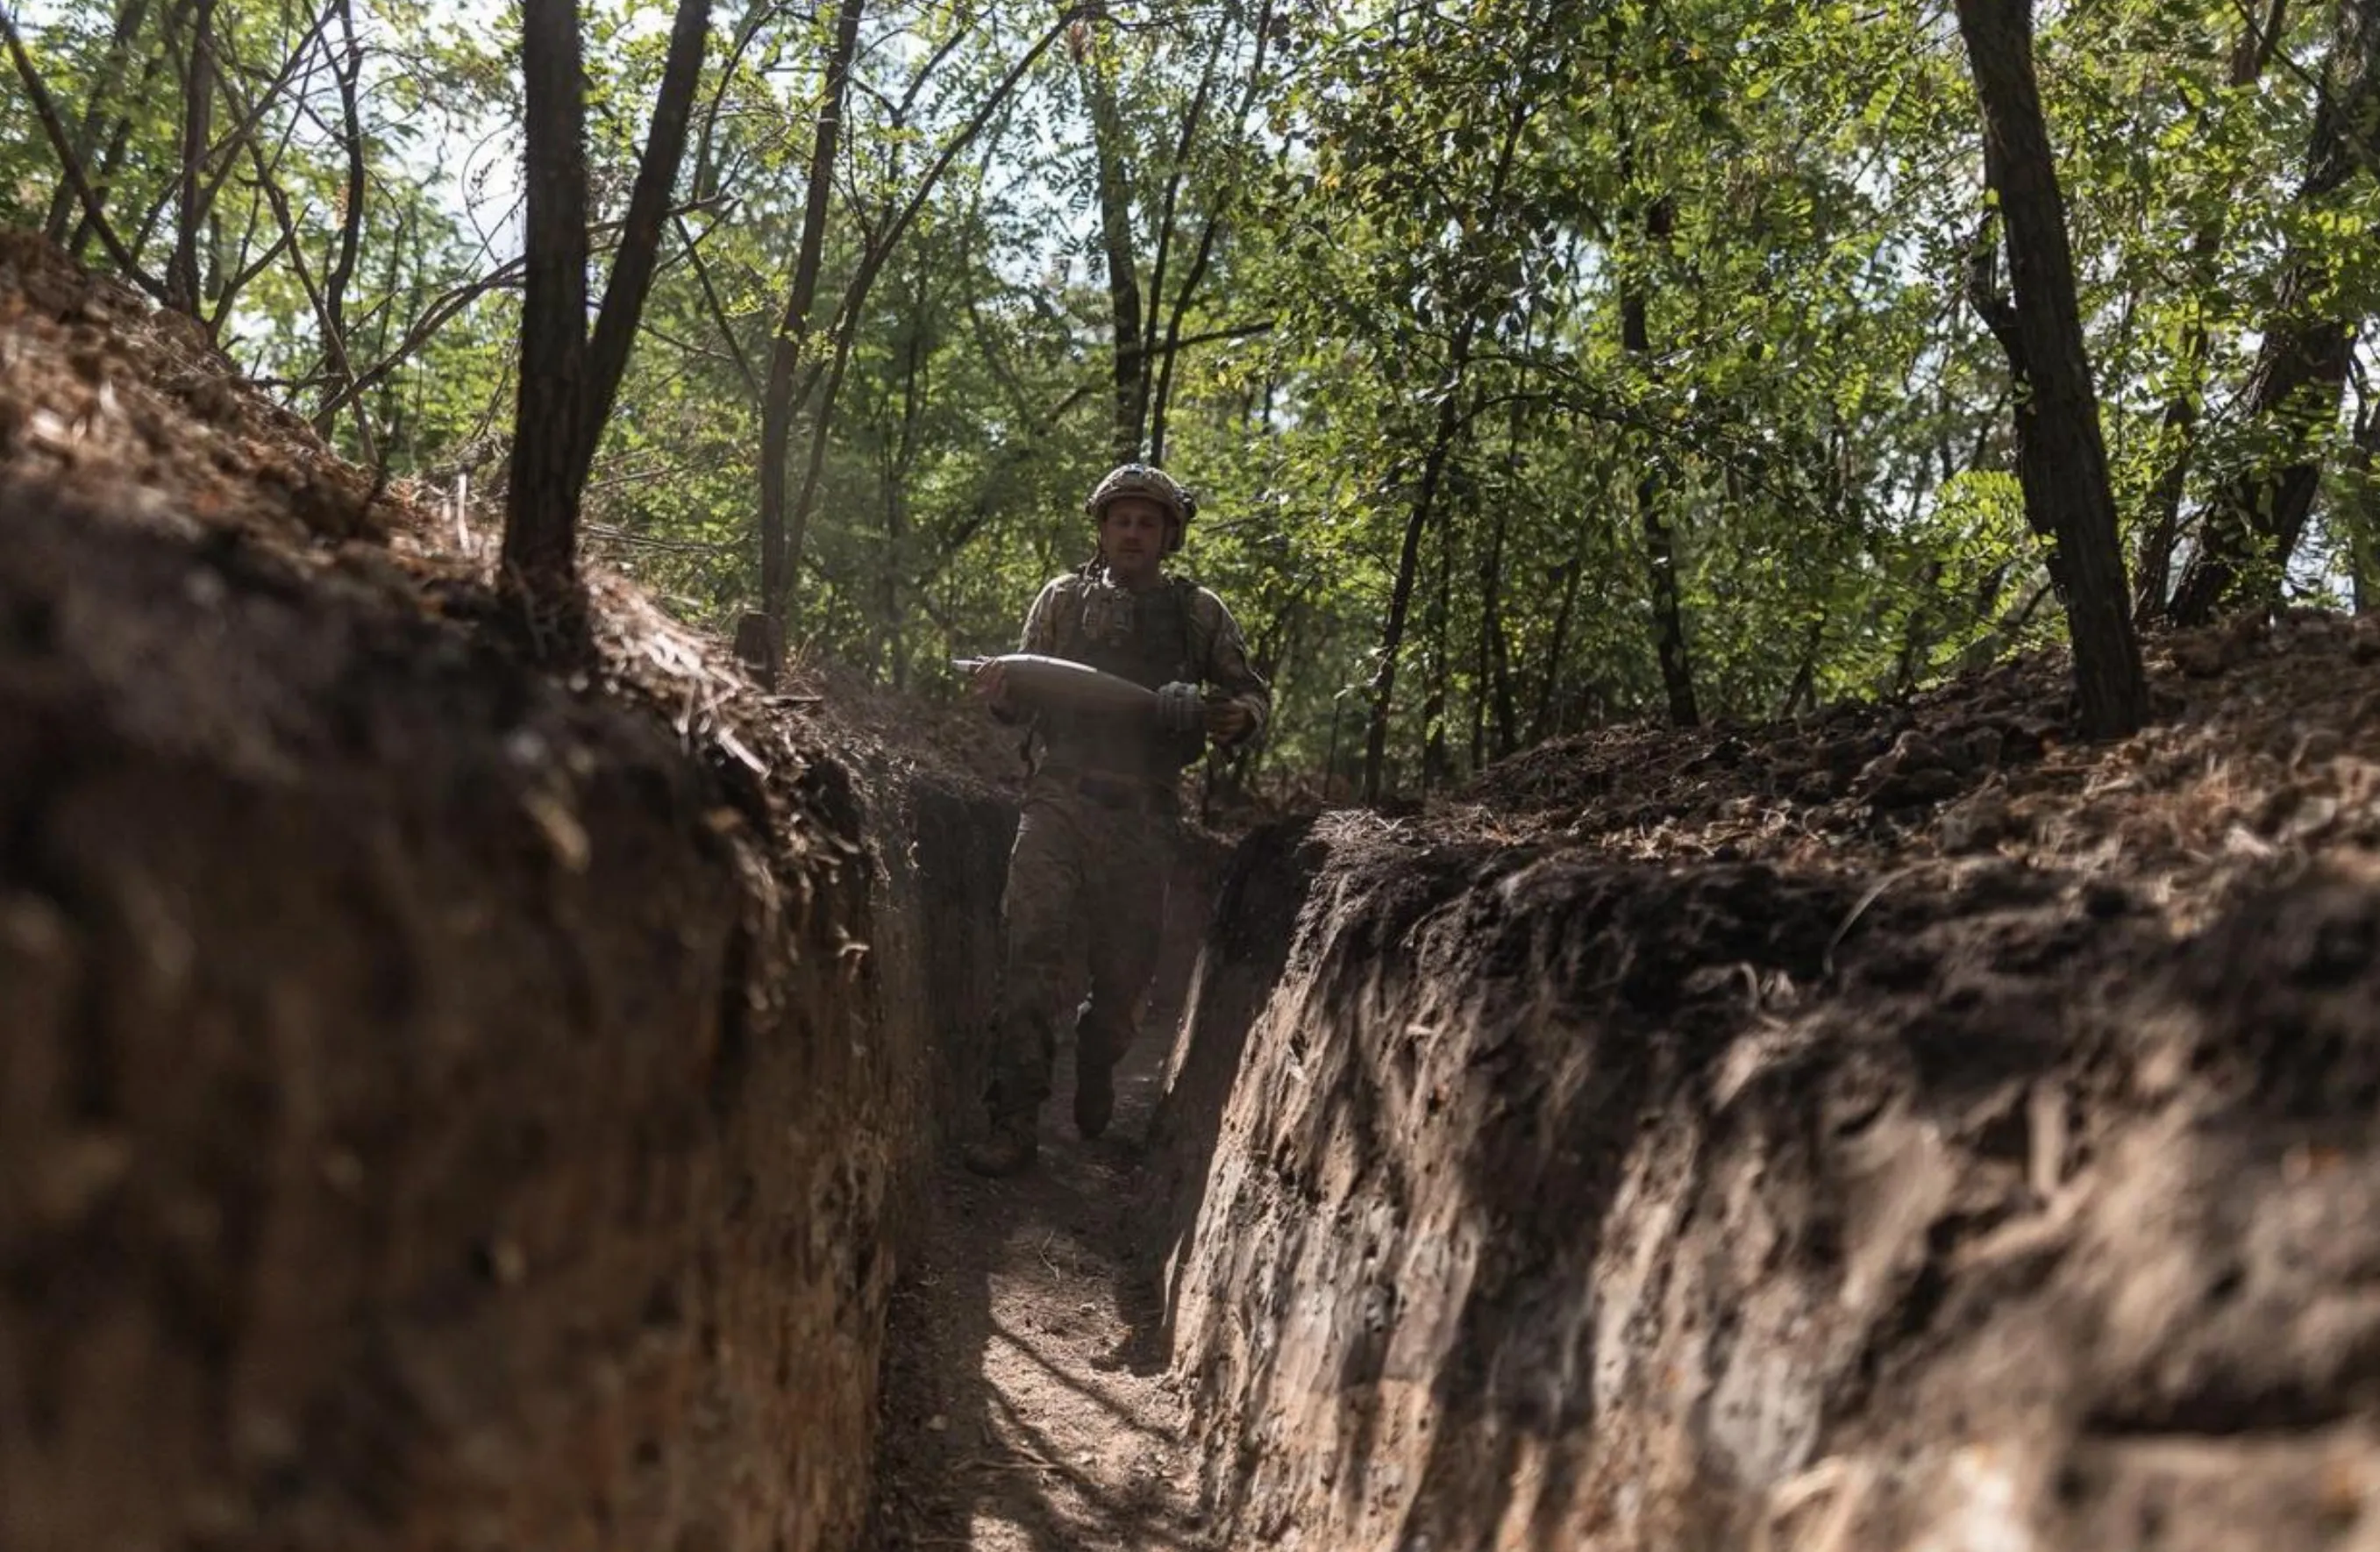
point(1060, 684)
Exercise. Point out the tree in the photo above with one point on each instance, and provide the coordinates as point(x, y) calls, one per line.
point(2293, 392)
point(1669, 399)
point(567, 380)
point(778, 551)
point(2065, 487)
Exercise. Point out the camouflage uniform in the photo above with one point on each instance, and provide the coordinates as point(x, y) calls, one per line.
point(1096, 841)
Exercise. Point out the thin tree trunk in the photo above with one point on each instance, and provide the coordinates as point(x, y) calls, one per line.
point(1802, 691)
point(2074, 501)
point(540, 575)
point(1425, 502)
point(2179, 431)
point(129, 15)
point(1557, 648)
point(1435, 764)
point(198, 117)
point(1661, 544)
point(638, 253)
point(1441, 446)
point(103, 177)
point(1998, 314)
point(1131, 377)
point(1192, 121)
point(2178, 434)
point(1483, 647)
point(1161, 399)
point(46, 110)
point(2253, 526)
point(1495, 657)
point(793, 330)
point(93, 221)
point(896, 490)
point(701, 180)
point(845, 326)
point(1169, 351)
point(335, 338)
point(2360, 507)
point(351, 224)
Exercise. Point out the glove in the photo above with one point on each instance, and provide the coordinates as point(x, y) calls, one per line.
point(1179, 712)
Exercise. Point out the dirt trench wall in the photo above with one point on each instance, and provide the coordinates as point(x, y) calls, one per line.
point(436, 1109)
point(1561, 1203)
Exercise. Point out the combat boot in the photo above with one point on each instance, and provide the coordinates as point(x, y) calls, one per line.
point(1094, 1096)
point(1008, 1150)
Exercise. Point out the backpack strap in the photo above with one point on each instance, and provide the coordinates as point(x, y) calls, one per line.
point(1067, 629)
point(1186, 598)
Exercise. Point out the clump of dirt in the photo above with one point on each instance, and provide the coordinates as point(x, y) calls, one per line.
point(1911, 1126)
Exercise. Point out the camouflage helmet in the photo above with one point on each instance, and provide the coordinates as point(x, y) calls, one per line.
point(1151, 483)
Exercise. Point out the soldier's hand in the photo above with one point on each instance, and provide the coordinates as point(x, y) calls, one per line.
point(1228, 722)
point(990, 682)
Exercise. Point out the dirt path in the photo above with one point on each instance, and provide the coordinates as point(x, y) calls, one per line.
point(1026, 1406)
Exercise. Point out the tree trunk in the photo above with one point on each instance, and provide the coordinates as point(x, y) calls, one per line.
point(877, 250)
point(896, 488)
point(1169, 351)
point(1130, 366)
point(1451, 424)
point(1492, 679)
point(129, 15)
point(2074, 499)
point(119, 141)
point(2360, 507)
point(1661, 544)
point(638, 253)
point(2180, 428)
point(2253, 528)
point(1802, 692)
point(1424, 503)
point(1557, 647)
point(1437, 763)
point(793, 329)
point(1193, 119)
point(198, 116)
point(541, 566)
point(351, 225)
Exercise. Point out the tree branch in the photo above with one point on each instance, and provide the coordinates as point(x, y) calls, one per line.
point(718, 309)
point(71, 164)
point(640, 237)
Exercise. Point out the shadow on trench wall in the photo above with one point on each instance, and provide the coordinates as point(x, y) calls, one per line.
point(1240, 957)
point(1382, 1288)
point(1562, 1201)
point(958, 857)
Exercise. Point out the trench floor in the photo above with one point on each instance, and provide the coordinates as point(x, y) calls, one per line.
point(1027, 1405)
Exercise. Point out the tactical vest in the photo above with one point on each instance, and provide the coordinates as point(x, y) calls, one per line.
point(1141, 636)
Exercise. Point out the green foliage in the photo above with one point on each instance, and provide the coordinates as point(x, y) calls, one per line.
point(1382, 228)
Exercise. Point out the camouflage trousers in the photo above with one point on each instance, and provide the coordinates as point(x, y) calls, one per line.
point(1084, 879)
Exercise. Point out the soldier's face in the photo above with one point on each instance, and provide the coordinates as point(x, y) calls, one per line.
point(1132, 536)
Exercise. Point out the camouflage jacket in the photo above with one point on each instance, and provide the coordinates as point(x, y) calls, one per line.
point(1207, 649)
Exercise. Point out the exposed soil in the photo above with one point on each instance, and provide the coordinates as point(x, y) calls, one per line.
point(442, 1104)
point(1908, 1128)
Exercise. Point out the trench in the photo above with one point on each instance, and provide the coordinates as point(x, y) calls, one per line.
point(444, 1107)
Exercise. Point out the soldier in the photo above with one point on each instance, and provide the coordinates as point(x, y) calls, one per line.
point(1095, 842)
